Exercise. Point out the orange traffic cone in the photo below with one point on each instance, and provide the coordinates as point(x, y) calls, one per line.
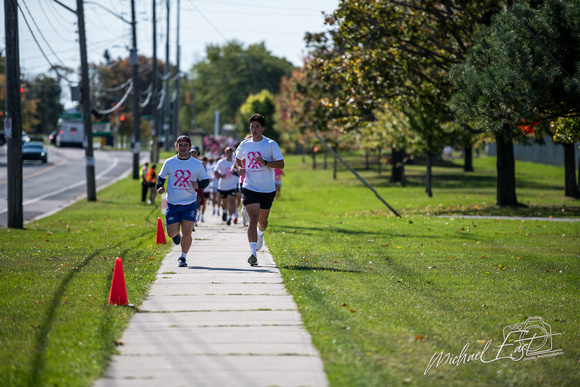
point(160, 233)
point(118, 294)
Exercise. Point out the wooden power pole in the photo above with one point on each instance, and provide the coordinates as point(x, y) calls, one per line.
point(86, 102)
point(13, 122)
point(154, 113)
point(134, 60)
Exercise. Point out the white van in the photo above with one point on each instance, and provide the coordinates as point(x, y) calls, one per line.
point(70, 131)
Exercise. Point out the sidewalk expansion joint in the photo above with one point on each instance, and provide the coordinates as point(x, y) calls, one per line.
point(215, 310)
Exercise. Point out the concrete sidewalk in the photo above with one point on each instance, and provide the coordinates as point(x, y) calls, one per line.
point(218, 322)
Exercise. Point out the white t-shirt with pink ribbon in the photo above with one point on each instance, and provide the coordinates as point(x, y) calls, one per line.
point(179, 175)
point(259, 178)
point(230, 181)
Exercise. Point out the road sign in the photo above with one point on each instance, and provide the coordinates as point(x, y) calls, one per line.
point(8, 128)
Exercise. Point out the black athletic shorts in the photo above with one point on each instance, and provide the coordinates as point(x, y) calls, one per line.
point(225, 194)
point(265, 199)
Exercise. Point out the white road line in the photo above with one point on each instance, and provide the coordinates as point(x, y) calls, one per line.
point(63, 189)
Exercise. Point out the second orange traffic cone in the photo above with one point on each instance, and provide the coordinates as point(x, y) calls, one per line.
point(118, 294)
point(160, 233)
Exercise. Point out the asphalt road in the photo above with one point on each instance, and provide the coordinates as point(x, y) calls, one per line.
point(50, 187)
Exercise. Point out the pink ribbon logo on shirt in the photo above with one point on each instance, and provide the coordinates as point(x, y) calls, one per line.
point(254, 164)
point(182, 178)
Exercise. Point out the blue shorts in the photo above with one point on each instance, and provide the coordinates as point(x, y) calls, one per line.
point(175, 213)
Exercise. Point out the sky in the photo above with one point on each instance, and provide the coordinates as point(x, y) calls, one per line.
point(280, 24)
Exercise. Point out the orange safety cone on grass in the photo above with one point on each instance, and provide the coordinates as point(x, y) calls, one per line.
point(118, 294)
point(160, 233)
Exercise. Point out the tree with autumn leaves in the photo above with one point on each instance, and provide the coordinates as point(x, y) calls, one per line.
point(402, 53)
point(391, 52)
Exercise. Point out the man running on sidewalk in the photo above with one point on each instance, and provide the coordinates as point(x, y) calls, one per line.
point(227, 185)
point(262, 155)
point(184, 174)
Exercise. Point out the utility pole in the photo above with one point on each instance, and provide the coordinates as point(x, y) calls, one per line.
point(86, 100)
point(134, 60)
point(154, 113)
point(166, 117)
point(177, 78)
point(13, 122)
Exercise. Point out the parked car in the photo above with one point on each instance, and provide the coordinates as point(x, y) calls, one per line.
point(25, 137)
point(34, 150)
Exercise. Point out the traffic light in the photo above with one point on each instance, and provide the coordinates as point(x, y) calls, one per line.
point(122, 118)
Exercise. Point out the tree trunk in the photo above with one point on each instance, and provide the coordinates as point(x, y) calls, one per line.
point(367, 160)
point(429, 175)
point(398, 169)
point(571, 184)
point(379, 160)
point(313, 158)
point(325, 159)
point(506, 173)
point(335, 168)
point(468, 158)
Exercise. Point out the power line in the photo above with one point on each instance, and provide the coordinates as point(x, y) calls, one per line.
point(209, 22)
point(52, 22)
point(39, 31)
point(41, 50)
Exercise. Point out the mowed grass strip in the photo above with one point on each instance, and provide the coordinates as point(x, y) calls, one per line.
point(382, 295)
point(56, 327)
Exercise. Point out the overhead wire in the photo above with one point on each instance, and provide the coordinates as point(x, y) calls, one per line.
point(118, 104)
point(52, 66)
point(52, 23)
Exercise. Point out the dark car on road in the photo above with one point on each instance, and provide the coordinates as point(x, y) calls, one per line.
point(34, 150)
point(25, 137)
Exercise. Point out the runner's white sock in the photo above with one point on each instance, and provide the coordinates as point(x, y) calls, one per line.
point(253, 249)
point(260, 232)
point(183, 255)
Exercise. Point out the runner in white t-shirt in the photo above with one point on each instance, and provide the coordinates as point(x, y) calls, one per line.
point(262, 155)
point(184, 174)
point(227, 185)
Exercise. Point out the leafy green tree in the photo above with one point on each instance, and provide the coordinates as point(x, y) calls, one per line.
point(507, 77)
point(289, 103)
point(390, 130)
point(29, 105)
point(431, 135)
point(228, 75)
point(264, 104)
point(47, 92)
point(567, 133)
point(397, 51)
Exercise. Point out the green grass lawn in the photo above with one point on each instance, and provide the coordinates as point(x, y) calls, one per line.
point(380, 295)
point(56, 328)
